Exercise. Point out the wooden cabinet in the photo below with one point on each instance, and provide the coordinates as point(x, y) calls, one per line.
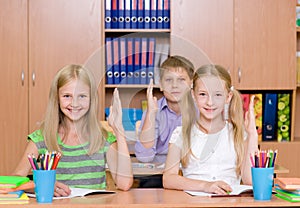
point(254, 40)
point(264, 46)
point(40, 37)
point(14, 84)
point(203, 31)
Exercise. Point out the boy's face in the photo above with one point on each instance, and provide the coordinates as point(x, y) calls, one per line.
point(174, 83)
point(210, 97)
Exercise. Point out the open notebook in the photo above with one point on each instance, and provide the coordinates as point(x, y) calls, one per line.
point(79, 192)
point(236, 191)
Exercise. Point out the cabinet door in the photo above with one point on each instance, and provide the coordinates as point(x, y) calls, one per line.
point(61, 32)
point(265, 44)
point(13, 85)
point(203, 31)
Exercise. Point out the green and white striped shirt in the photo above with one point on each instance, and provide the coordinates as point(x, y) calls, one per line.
point(76, 168)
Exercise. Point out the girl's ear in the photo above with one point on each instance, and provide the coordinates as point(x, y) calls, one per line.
point(229, 97)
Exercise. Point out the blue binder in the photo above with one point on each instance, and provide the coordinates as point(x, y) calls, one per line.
point(134, 14)
point(147, 14)
point(153, 14)
point(137, 60)
point(143, 70)
point(107, 14)
point(151, 56)
point(121, 14)
point(114, 14)
point(166, 14)
point(130, 60)
point(116, 61)
point(269, 117)
point(123, 51)
point(140, 14)
point(159, 17)
point(109, 61)
point(127, 14)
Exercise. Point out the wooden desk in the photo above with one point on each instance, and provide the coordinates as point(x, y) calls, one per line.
point(157, 198)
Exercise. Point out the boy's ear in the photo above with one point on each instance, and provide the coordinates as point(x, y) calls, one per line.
point(193, 94)
point(160, 87)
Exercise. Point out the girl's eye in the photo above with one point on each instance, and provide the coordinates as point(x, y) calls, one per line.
point(66, 96)
point(202, 94)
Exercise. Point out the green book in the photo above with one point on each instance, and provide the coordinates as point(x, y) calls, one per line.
point(291, 196)
point(12, 181)
point(287, 198)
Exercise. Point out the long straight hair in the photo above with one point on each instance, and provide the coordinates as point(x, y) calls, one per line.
point(54, 118)
point(189, 115)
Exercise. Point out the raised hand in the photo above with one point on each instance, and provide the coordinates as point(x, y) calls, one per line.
point(250, 125)
point(152, 101)
point(115, 113)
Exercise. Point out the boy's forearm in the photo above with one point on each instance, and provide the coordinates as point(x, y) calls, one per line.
point(147, 135)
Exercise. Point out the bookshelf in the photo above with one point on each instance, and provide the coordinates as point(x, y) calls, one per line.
point(132, 93)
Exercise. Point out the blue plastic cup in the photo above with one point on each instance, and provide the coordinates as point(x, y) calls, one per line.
point(44, 181)
point(262, 181)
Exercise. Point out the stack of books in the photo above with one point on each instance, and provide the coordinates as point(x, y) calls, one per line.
point(12, 189)
point(288, 189)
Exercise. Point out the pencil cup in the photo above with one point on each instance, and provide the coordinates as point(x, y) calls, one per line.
point(262, 181)
point(44, 181)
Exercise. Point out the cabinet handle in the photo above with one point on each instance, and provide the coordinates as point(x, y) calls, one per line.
point(239, 74)
point(22, 77)
point(33, 78)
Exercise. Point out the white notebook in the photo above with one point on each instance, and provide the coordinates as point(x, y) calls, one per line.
point(79, 192)
point(236, 191)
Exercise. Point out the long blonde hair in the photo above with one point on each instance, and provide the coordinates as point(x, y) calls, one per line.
point(189, 115)
point(54, 118)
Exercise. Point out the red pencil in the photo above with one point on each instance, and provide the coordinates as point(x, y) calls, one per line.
point(56, 160)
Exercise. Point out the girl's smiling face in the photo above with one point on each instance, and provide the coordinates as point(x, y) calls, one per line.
point(74, 99)
point(210, 96)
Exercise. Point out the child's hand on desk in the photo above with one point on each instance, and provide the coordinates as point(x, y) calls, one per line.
point(61, 189)
point(217, 187)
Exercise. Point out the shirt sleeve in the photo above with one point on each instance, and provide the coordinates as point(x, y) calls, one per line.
point(38, 139)
point(176, 137)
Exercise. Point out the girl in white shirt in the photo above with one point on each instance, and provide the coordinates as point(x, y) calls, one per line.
point(211, 146)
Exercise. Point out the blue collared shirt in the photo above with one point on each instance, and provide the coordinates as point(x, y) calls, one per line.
point(165, 122)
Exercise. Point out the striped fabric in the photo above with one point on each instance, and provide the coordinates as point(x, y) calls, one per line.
point(76, 168)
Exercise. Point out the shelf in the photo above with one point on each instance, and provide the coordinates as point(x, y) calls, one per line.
point(135, 86)
point(137, 30)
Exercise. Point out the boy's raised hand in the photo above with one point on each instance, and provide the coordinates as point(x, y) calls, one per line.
point(152, 101)
point(115, 113)
point(250, 118)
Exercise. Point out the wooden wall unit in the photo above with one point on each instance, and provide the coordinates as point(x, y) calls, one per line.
point(254, 40)
point(37, 38)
